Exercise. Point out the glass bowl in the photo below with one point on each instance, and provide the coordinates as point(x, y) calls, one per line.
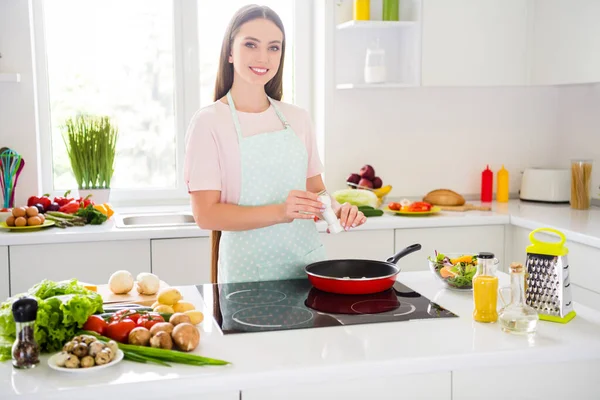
point(459, 279)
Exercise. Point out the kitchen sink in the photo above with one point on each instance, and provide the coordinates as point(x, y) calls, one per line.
point(154, 220)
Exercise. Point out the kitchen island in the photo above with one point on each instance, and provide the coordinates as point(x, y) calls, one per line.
point(447, 358)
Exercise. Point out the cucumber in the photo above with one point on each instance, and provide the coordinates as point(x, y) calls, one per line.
point(372, 213)
point(363, 208)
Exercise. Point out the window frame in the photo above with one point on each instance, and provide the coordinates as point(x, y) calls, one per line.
point(186, 97)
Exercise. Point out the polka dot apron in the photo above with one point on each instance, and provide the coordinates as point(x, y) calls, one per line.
point(273, 164)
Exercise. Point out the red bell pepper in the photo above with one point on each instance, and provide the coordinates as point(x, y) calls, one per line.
point(84, 202)
point(61, 201)
point(44, 200)
point(70, 208)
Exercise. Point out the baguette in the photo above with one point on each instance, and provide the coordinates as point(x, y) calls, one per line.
point(444, 197)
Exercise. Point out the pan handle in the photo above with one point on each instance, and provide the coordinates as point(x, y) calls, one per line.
point(404, 252)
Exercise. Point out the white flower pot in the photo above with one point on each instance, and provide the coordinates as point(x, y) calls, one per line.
point(99, 196)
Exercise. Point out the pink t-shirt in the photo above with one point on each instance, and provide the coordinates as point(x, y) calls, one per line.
point(212, 157)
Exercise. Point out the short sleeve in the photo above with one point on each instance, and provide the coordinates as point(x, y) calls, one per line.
point(202, 170)
point(315, 166)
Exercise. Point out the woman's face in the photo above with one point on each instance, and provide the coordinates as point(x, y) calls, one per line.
point(256, 51)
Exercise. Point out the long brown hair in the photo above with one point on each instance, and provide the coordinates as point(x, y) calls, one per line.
point(273, 88)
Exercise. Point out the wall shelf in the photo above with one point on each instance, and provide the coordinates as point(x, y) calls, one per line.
point(10, 77)
point(387, 85)
point(353, 24)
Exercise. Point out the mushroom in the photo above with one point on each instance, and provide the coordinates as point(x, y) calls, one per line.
point(103, 357)
point(161, 327)
point(95, 348)
point(87, 362)
point(68, 347)
point(113, 347)
point(186, 336)
point(162, 340)
point(139, 336)
point(179, 318)
point(87, 339)
point(72, 361)
point(80, 350)
point(62, 358)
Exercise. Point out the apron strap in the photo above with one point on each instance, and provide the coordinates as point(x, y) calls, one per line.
point(279, 113)
point(234, 115)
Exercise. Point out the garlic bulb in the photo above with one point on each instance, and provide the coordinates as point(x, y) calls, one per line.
point(121, 282)
point(147, 283)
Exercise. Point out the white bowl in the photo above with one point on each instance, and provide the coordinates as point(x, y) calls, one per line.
point(52, 364)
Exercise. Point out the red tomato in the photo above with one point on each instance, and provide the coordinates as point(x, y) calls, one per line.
point(96, 324)
point(125, 313)
point(419, 206)
point(394, 206)
point(119, 331)
point(149, 320)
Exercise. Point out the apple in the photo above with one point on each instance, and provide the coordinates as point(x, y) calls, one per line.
point(353, 178)
point(366, 183)
point(367, 172)
point(377, 182)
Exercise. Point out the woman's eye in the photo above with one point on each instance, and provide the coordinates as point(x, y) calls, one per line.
point(275, 48)
point(250, 45)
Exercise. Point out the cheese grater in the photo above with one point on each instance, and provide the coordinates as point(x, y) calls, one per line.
point(547, 281)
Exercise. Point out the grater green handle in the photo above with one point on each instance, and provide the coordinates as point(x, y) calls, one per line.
point(549, 248)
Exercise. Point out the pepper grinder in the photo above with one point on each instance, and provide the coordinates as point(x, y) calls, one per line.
point(332, 221)
point(25, 350)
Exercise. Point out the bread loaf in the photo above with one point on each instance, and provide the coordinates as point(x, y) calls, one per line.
point(444, 197)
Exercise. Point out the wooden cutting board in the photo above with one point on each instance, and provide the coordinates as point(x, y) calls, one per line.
point(466, 207)
point(133, 297)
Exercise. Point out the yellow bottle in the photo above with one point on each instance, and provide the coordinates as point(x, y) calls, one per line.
point(362, 10)
point(502, 189)
point(485, 289)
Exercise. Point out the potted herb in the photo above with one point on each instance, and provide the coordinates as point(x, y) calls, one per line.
point(90, 141)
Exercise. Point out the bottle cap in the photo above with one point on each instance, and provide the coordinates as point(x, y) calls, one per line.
point(516, 267)
point(25, 309)
point(486, 256)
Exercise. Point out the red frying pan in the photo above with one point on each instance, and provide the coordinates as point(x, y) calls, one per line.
point(356, 276)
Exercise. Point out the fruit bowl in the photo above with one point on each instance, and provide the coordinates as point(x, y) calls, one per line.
point(455, 270)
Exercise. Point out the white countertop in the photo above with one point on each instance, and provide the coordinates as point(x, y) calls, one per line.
point(579, 226)
point(313, 355)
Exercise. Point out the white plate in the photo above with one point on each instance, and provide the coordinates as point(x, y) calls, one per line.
point(52, 364)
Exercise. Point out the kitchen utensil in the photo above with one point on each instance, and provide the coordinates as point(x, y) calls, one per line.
point(333, 223)
point(11, 165)
point(466, 207)
point(132, 297)
point(46, 224)
point(548, 284)
point(434, 210)
point(546, 185)
point(356, 276)
point(444, 197)
point(52, 364)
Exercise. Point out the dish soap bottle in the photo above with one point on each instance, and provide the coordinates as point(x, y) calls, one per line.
point(516, 316)
point(485, 289)
point(487, 182)
point(502, 189)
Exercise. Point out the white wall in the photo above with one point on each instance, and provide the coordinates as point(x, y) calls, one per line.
point(423, 139)
point(17, 100)
point(579, 127)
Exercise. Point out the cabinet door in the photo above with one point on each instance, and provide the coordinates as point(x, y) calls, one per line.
point(566, 42)
point(182, 261)
point(4, 275)
point(230, 395)
point(463, 239)
point(475, 42)
point(569, 380)
point(91, 262)
point(373, 245)
point(414, 387)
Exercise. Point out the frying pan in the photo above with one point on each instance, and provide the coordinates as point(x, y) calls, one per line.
point(356, 276)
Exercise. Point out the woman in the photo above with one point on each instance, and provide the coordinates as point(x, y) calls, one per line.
point(252, 166)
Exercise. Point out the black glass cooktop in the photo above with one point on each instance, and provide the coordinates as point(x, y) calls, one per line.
point(296, 304)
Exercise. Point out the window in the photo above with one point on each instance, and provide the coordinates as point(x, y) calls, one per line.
point(149, 65)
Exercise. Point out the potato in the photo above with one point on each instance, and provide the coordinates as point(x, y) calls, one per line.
point(179, 318)
point(10, 221)
point(32, 211)
point(19, 212)
point(164, 309)
point(20, 221)
point(169, 296)
point(34, 221)
point(156, 304)
point(183, 306)
point(195, 316)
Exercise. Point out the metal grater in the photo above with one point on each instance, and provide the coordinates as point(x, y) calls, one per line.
point(547, 283)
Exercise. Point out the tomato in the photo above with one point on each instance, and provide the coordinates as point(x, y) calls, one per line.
point(419, 206)
point(125, 313)
point(394, 206)
point(149, 320)
point(96, 324)
point(119, 331)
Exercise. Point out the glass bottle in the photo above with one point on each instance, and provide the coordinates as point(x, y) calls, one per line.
point(516, 316)
point(25, 350)
point(485, 289)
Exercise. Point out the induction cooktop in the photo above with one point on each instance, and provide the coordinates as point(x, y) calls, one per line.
point(295, 304)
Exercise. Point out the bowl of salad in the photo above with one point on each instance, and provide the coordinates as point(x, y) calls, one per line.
point(455, 270)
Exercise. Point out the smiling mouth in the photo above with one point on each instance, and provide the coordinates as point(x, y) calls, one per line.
point(259, 71)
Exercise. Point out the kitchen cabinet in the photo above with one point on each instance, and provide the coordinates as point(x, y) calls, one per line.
point(567, 380)
point(584, 271)
point(182, 261)
point(566, 42)
point(463, 239)
point(373, 245)
point(475, 42)
point(91, 262)
point(4, 275)
point(416, 386)
point(230, 395)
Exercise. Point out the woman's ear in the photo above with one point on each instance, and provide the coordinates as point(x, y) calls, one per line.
point(230, 59)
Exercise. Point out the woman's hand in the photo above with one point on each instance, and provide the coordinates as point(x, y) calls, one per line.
point(350, 217)
point(301, 205)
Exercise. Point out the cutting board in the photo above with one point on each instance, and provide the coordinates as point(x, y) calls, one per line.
point(466, 207)
point(133, 297)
